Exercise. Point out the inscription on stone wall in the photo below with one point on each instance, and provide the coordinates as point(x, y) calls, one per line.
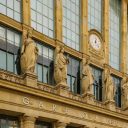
point(43, 105)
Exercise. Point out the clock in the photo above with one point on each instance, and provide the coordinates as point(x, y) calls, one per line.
point(95, 41)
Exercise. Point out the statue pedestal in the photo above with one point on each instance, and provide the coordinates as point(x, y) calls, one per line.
point(62, 89)
point(30, 79)
point(110, 105)
point(88, 98)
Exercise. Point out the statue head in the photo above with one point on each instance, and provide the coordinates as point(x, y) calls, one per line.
point(86, 61)
point(29, 34)
point(62, 49)
point(57, 49)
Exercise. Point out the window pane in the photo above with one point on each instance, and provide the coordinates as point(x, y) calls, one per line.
point(39, 70)
point(9, 59)
point(10, 37)
point(10, 64)
point(45, 74)
point(97, 73)
point(95, 14)
point(44, 19)
point(11, 9)
point(2, 60)
point(45, 60)
point(71, 15)
point(73, 76)
point(2, 33)
point(114, 33)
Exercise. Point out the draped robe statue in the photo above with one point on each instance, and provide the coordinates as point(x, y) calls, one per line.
point(60, 66)
point(125, 92)
point(110, 87)
point(87, 78)
point(29, 53)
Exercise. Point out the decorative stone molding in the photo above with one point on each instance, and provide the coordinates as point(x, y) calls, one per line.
point(110, 105)
point(11, 77)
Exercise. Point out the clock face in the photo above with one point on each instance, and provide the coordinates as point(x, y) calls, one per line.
point(95, 41)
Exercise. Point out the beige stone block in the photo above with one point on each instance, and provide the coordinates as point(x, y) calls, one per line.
point(30, 79)
point(62, 89)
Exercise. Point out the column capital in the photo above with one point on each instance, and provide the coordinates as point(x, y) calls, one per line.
point(61, 124)
point(28, 121)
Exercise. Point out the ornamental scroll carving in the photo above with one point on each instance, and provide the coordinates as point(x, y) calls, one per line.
point(29, 53)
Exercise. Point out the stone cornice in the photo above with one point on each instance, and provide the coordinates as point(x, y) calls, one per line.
point(57, 98)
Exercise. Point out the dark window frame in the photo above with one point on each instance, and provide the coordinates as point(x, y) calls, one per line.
point(98, 85)
point(11, 49)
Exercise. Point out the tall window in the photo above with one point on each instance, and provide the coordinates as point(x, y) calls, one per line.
point(71, 18)
point(73, 77)
point(114, 33)
point(117, 83)
point(127, 44)
point(42, 124)
point(95, 14)
point(8, 122)
point(11, 8)
point(44, 67)
point(97, 83)
point(9, 50)
point(42, 18)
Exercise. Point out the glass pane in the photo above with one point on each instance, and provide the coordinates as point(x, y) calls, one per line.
point(17, 40)
point(2, 60)
point(2, 33)
point(10, 36)
point(45, 51)
point(10, 62)
point(45, 74)
point(2, 9)
point(40, 49)
point(17, 16)
point(17, 5)
point(3, 2)
point(10, 4)
point(10, 12)
point(39, 70)
point(50, 54)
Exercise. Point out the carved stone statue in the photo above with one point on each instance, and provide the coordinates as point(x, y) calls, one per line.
point(87, 78)
point(29, 53)
point(110, 87)
point(125, 92)
point(60, 66)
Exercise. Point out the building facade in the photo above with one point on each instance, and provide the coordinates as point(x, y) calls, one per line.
point(94, 37)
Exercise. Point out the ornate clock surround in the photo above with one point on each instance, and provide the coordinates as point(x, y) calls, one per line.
point(96, 50)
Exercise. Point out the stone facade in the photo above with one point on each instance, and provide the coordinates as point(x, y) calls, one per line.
point(23, 96)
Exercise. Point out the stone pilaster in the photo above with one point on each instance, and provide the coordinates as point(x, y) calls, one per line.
point(123, 35)
point(26, 12)
point(58, 20)
point(29, 122)
point(60, 124)
point(84, 26)
point(106, 29)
